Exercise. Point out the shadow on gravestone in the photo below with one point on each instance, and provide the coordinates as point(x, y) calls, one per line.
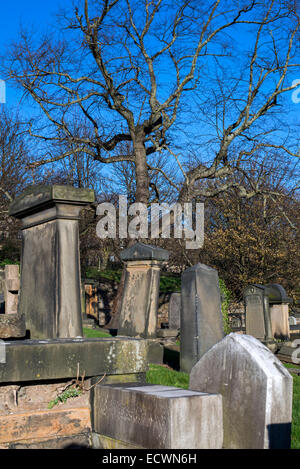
point(257, 392)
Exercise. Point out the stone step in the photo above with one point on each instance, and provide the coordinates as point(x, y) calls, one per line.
point(160, 417)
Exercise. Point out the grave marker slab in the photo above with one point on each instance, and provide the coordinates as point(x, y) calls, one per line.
point(257, 392)
point(201, 322)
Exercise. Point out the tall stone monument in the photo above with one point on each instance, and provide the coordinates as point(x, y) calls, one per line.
point(138, 316)
point(50, 263)
point(201, 322)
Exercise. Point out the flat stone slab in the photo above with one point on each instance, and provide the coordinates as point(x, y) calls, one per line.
point(159, 417)
point(35, 360)
point(257, 392)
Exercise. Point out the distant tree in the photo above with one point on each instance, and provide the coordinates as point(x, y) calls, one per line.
point(14, 176)
point(248, 241)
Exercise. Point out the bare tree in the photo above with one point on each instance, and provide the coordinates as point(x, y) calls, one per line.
point(126, 66)
point(14, 157)
point(245, 112)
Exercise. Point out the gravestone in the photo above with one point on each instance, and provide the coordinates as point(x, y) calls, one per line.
point(201, 322)
point(174, 311)
point(267, 312)
point(279, 315)
point(279, 311)
point(158, 417)
point(138, 316)
point(50, 264)
point(11, 289)
point(258, 323)
point(257, 392)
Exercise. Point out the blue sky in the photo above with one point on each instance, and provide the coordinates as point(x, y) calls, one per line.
point(13, 13)
point(37, 13)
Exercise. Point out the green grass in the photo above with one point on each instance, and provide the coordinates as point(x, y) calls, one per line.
point(158, 374)
point(94, 333)
point(295, 444)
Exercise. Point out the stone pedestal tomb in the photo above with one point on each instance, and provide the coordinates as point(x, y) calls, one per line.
point(50, 266)
point(138, 316)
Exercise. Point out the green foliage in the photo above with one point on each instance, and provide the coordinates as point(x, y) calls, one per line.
point(64, 396)
point(226, 297)
point(6, 261)
point(9, 254)
point(111, 275)
point(169, 284)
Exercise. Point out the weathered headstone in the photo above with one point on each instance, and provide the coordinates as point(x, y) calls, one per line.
point(201, 323)
point(50, 265)
point(257, 392)
point(267, 313)
point(138, 316)
point(279, 311)
point(279, 315)
point(258, 323)
point(11, 289)
point(174, 311)
point(159, 417)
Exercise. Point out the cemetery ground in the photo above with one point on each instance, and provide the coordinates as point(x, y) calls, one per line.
point(168, 375)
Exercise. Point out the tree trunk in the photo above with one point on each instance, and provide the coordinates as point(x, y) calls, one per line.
point(141, 169)
point(142, 195)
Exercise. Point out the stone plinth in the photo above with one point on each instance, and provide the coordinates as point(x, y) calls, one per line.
point(257, 392)
point(138, 316)
point(158, 417)
point(50, 264)
point(201, 322)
